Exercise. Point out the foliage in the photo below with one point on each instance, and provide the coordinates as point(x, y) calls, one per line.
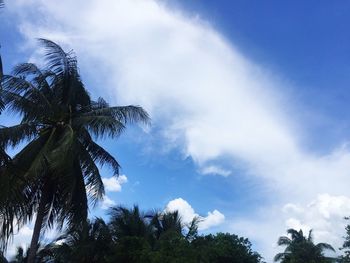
point(346, 246)
point(55, 175)
point(301, 249)
point(135, 237)
point(225, 248)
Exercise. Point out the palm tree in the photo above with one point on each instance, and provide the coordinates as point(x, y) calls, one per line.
point(301, 249)
point(166, 222)
point(55, 175)
point(91, 242)
point(126, 222)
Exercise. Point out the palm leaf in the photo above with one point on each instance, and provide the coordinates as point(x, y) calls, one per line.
point(97, 153)
point(284, 241)
point(17, 134)
point(325, 246)
point(279, 257)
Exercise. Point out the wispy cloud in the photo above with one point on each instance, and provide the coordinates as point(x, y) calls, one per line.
point(207, 97)
point(215, 170)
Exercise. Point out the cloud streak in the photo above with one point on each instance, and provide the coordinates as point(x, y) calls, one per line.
point(209, 100)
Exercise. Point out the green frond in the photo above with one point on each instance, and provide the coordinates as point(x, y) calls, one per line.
point(2, 104)
point(57, 59)
point(16, 134)
point(93, 179)
point(193, 229)
point(37, 76)
point(325, 246)
point(75, 209)
point(124, 114)
point(32, 158)
point(15, 205)
point(63, 138)
point(97, 153)
point(279, 257)
point(25, 69)
point(284, 241)
point(310, 236)
point(100, 126)
point(22, 97)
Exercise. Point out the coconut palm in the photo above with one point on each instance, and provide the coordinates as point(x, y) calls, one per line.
point(91, 242)
point(166, 222)
point(125, 222)
point(55, 175)
point(301, 249)
point(132, 234)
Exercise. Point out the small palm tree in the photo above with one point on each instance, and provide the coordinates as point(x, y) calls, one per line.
point(301, 249)
point(166, 222)
point(89, 243)
point(126, 222)
point(55, 175)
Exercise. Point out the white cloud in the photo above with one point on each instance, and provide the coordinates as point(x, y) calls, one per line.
point(215, 170)
point(21, 239)
point(209, 99)
point(212, 219)
point(324, 215)
point(107, 203)
point(187, 213)
point(114, 184)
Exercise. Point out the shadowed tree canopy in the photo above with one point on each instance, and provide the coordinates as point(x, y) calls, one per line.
point(155, 237)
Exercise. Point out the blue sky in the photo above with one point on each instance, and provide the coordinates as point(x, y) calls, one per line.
point(249, 105)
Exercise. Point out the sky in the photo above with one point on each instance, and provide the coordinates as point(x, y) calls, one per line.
point(248, 100)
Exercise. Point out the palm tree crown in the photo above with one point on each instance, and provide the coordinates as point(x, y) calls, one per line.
point(56, 173)
point(301, 249)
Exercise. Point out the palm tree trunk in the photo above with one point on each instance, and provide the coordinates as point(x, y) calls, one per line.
point(38, 225)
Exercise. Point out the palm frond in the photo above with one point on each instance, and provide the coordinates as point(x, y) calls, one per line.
point(124, 114)
point(284, 241)
point(57, 59)
point(310, 236)
point(325, 246)
point(97, 153)
point(16, 134)
point(100, 126)
point(279, 257)
point(2, 104)
point(91, 174)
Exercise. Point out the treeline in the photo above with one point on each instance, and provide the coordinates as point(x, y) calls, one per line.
point(136, 237)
